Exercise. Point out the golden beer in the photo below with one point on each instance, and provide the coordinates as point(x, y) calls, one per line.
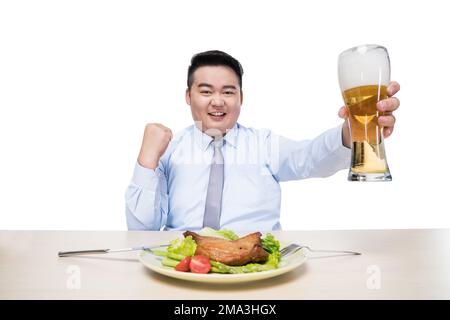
point(368, 145)
point(364, 73)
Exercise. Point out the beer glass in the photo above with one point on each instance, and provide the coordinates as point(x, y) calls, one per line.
point(364, 74)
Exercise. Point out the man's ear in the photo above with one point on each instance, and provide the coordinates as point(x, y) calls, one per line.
point(242, 97)
point(187, 96)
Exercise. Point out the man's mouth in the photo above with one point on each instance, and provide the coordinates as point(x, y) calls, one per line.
point(217, 115)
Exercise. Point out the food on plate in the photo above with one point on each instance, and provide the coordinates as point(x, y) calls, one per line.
point(230, 252)
point(221, 251)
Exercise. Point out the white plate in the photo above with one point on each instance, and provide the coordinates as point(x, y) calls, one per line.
point(287, 264)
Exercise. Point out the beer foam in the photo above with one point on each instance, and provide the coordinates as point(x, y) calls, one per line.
point(364, 65)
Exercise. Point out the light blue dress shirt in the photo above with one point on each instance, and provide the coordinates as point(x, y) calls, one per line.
point(172, 197)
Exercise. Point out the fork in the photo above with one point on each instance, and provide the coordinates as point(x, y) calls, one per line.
point(293, 247)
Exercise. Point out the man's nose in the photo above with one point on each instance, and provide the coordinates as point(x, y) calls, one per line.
point(217, 102)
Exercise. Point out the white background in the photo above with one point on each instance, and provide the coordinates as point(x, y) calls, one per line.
point(80, 79)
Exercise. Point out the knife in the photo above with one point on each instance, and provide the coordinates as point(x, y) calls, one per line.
point(102, 251)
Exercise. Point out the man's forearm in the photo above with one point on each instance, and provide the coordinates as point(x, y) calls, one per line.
point(142, 203)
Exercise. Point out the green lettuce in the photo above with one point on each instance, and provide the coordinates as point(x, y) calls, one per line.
point(184, 247)
point(271, 245)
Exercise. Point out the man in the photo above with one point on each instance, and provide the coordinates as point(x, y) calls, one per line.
point(220, 174)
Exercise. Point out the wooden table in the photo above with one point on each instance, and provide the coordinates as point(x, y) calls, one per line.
point(395, 264)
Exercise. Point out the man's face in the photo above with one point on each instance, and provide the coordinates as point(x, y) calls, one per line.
point(215, 98)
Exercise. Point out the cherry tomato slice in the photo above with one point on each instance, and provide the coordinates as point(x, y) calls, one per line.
point(200, 264)
point(184, 265)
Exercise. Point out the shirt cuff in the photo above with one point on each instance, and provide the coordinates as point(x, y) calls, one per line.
point(336, 144)
point(144, 177)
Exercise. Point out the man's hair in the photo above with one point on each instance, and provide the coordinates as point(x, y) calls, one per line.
point(214, 58)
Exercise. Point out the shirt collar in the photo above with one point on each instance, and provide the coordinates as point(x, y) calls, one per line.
point(203, 140)
point(232, 135)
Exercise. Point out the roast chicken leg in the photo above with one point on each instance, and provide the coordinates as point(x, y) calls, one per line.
point(231, 252)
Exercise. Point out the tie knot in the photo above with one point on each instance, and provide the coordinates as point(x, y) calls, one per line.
point(217, 154)
point(217, 142)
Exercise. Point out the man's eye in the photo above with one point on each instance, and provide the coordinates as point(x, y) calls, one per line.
point(205, 92)
point(229, 92)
